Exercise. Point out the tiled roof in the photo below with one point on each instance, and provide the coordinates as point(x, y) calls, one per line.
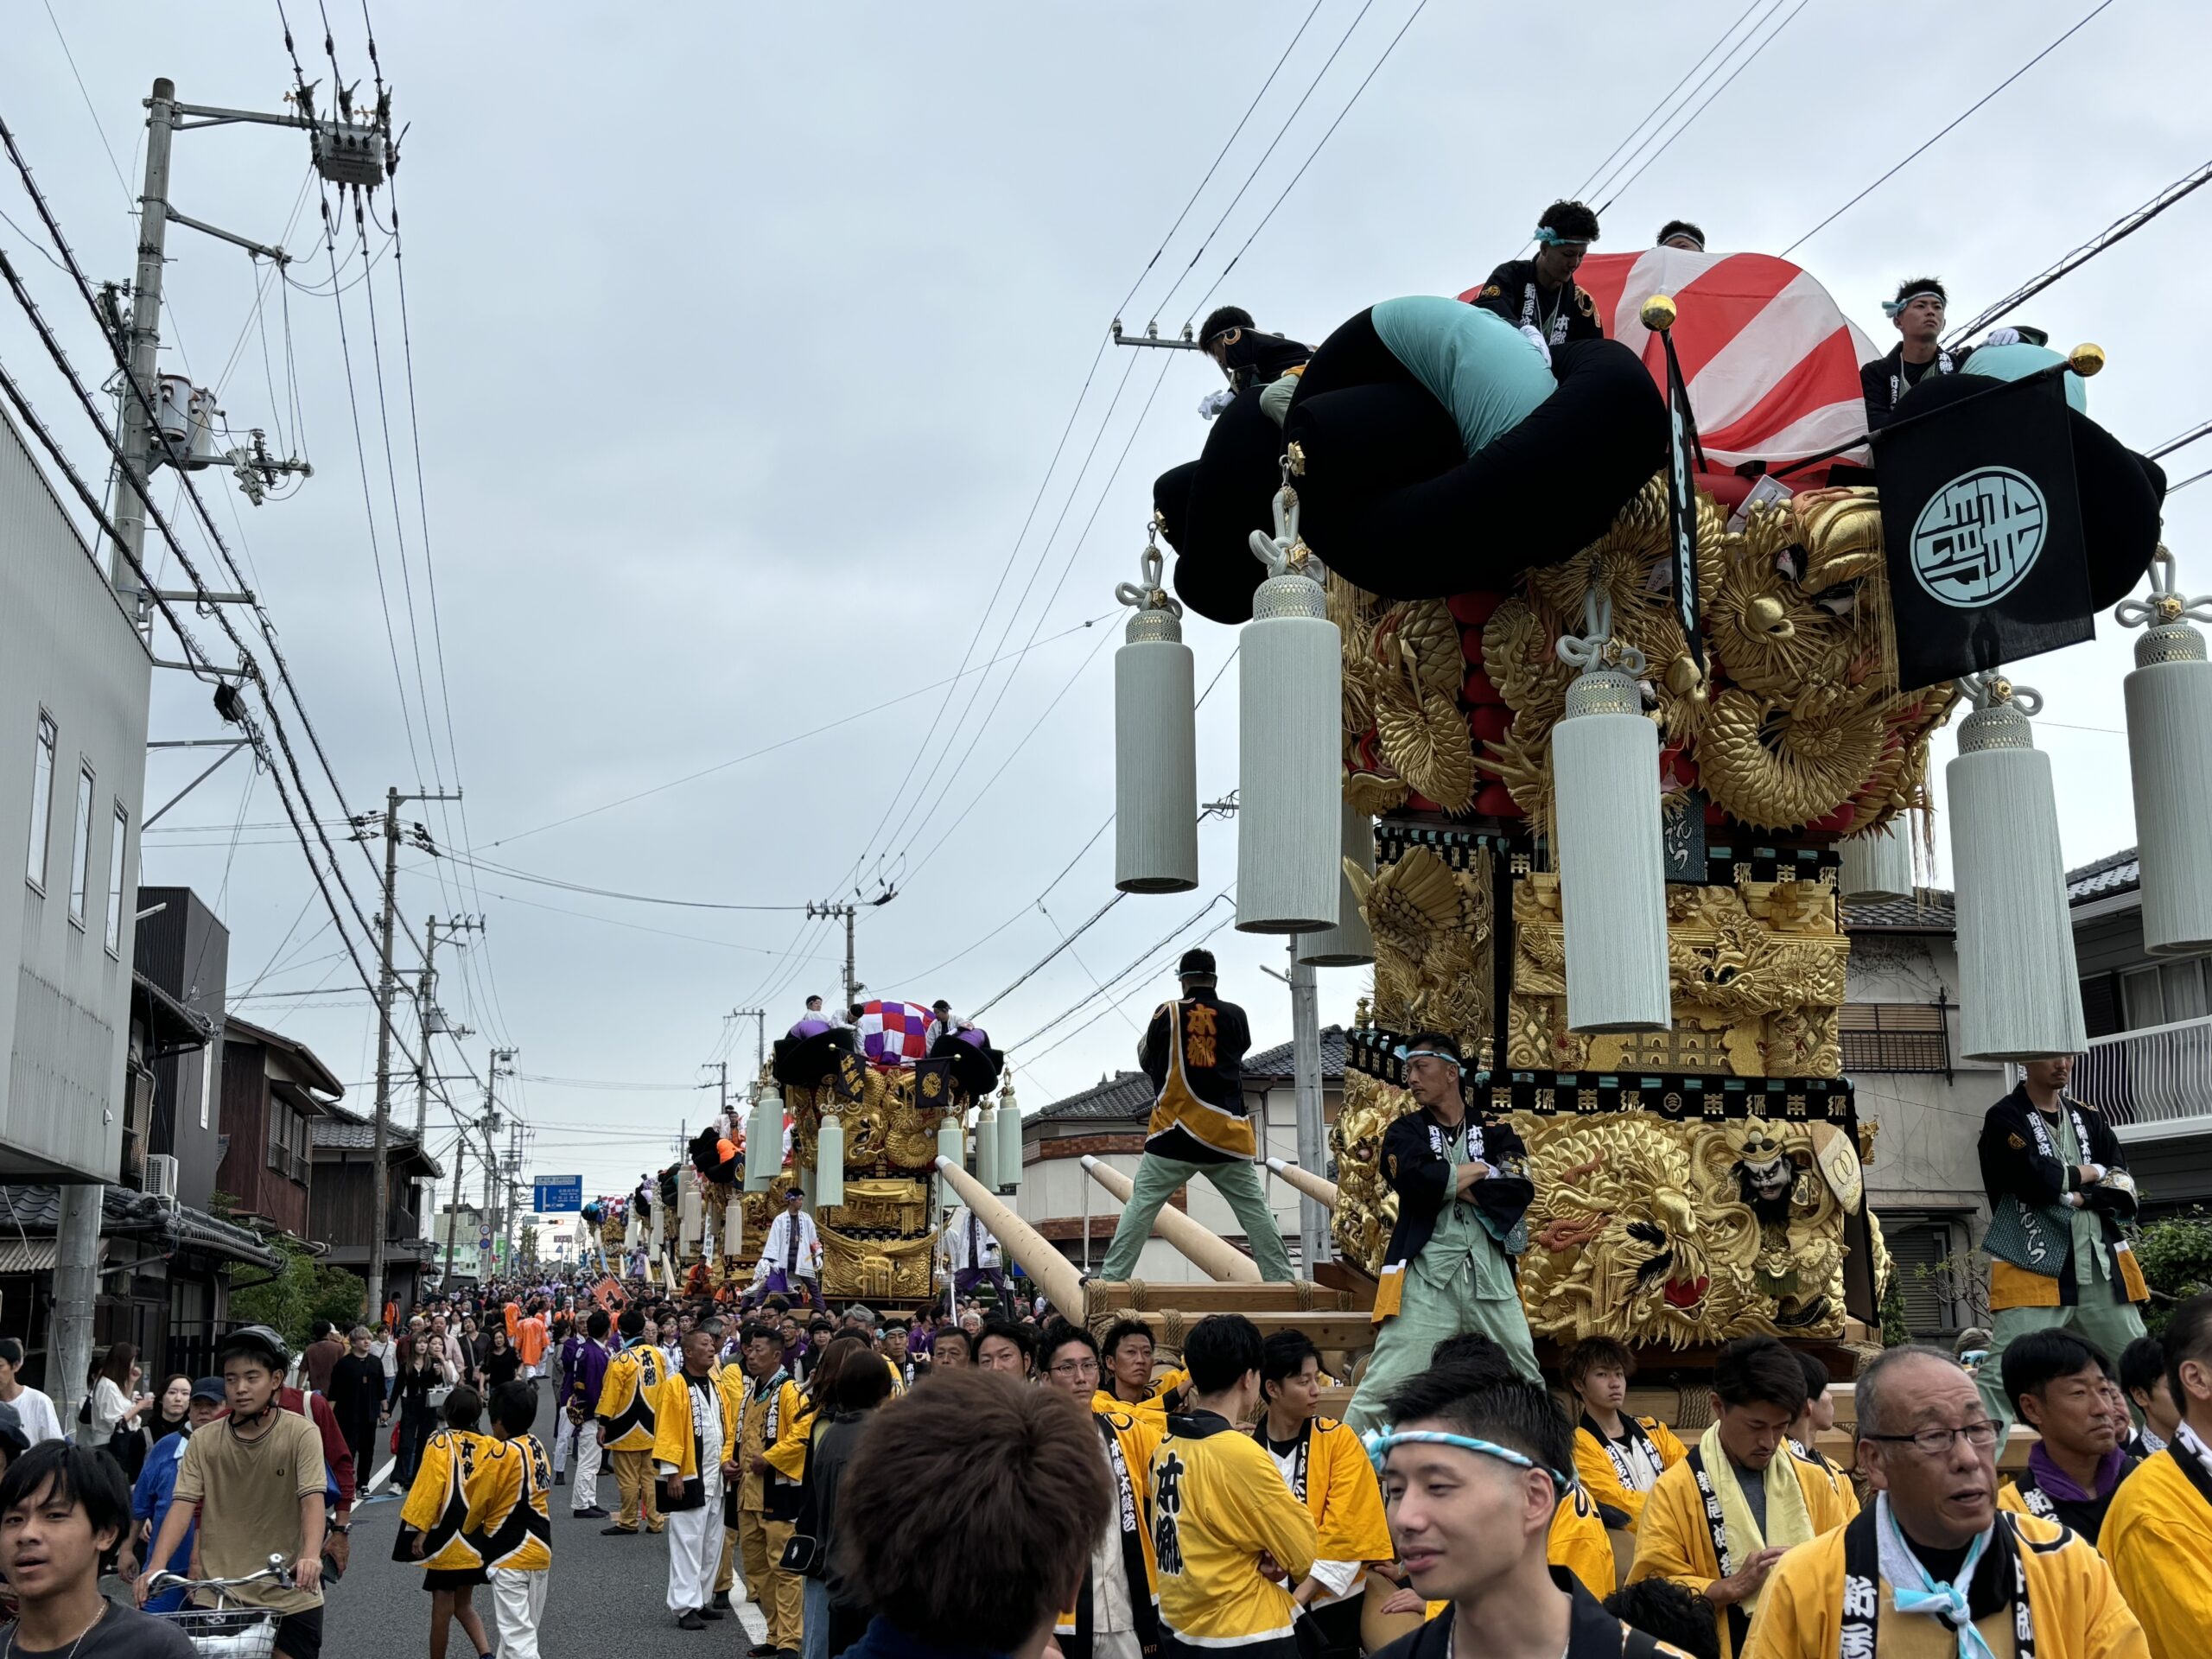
point(35, 1211)
point(1124, 1095)
point(2116, 873)
point(1277, 1062)
point(344, 1131)
point(1931, 912)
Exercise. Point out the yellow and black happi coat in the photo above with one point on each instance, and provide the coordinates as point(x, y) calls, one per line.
point(437, 1505)
point(2037, 1579)
point(2158, 1535)
point(1620, 1474)
point(1194, 1052)
point(1592, 1632)
point(625, 1399)
point(1331, 1474)
point(676, 1433)
point(772, 1424)
point(507, 1515)
point(1513, 292)
point(1129, 1442)
point(1216, 1501)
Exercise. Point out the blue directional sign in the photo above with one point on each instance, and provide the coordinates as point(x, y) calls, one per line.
point(555, 1194)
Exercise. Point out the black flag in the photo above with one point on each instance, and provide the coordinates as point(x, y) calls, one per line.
point(1981, 523)
point(1682, 501)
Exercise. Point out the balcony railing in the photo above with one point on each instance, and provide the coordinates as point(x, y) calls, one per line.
point(2160, 1075)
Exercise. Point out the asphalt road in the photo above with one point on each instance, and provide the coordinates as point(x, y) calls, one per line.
point(608, 1596)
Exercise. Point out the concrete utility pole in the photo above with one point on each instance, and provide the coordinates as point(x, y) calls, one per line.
point(489, 1125)
point(434, 1020)
point(760, 1019)
point(387, 985)
point(831, 911)
point(1306, 1068)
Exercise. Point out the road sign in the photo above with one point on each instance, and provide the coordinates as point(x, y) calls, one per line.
point(554, 1194)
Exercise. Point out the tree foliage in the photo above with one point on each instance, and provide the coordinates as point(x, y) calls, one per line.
point(303, 1290)
point(2175, 1255)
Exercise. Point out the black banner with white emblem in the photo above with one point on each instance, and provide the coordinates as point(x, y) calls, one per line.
point(1682, 501)
point(1981, 521)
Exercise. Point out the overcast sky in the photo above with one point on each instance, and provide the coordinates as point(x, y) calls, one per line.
point(742, 338)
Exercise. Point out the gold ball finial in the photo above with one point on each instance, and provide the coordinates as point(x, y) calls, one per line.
point(2086, 359)
point(1658, 313)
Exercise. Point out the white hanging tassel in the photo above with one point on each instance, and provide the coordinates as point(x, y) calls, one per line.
point(2170, 755)
point(733, 1229)
point(1155, 741)
point(1612, 866)
point(2021, 996)
point(1349, 943)
point(829, 1163)
point(691, 1217)
point(1009, 1141)
point(764, 1139)
point(987, 1147)
point(630, 1230)
point(1877, 865)
point(660, 1224)
point(1290, 862)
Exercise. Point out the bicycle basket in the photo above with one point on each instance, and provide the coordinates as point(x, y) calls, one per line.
point(228, 1632)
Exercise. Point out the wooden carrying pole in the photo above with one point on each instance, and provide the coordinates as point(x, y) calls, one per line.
point(1209, 1252)
point(1314, 1186)
point(1023, 1243)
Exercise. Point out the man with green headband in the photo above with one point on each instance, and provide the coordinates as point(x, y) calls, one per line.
point(1472, 1469)
point(1463, 1197)
point(1541, 295)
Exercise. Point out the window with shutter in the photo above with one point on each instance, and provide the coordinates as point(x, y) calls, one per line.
point(2100, 1005)
point(1917, 1252)
point(1894, 1037)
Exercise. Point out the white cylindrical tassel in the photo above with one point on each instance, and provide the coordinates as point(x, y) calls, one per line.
point(691, 1217)
point(1877, 864)
point(2021, 996)
point(987, 1149)
point(1290, 684)
point(660, 1225)
point(1010, 1141)
point(1155, 744)
point(828, 1164)
point(764, 1139)
point(952, 1139)
point(630, 1230)
point(1612, 867)
point(1349, 943)
point(2170, 756)
point(733, 1229)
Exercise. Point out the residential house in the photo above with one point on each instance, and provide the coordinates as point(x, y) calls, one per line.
point(457, 1236)
point(343, 1200)
point(2149, 1062)
point(273, 1090)
point(1107, 1122)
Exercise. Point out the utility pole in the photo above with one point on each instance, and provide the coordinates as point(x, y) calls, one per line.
point(1306, 1069)
point(434, 1019)
point(346, 152)
point(760, 1019)
point(489, 1123)
point(721, 1085)
point(387, 985)
point(830, 913)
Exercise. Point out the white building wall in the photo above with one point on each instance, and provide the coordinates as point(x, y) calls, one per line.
point(67, 648)
point(1924, 1156)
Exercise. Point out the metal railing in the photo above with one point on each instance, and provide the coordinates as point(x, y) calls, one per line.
point(2160, 1074)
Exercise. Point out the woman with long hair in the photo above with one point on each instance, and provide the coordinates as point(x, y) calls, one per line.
point(115, 1404)
point(502, 1364)
point(426, 1372)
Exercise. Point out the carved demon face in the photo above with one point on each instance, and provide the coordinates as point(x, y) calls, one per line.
point(1762, 1166)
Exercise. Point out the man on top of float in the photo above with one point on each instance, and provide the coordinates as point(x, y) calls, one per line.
point(1541, 294)
point(1251, 359)
point(1917, 310)
point(1193, 1051)
point(1462, 1199)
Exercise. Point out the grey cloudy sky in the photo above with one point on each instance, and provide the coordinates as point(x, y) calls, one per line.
point(742, 338)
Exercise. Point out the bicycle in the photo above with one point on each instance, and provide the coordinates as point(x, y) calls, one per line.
point(220, 1631)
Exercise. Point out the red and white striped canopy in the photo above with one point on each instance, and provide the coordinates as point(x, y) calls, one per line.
point(1771, 363)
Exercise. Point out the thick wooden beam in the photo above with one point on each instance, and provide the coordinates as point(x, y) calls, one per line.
point(1318, 1188)
point(1209, 1252)
point(1023, 1243)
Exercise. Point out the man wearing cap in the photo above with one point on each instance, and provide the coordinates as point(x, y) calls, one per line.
point(1462, 1199)
point(1541, 295)
point(791, 1260)
point(156, 1486)
point(1251, 359)
point(1193, 1051)
point(1917, 311)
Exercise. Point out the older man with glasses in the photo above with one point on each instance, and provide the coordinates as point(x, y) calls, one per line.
point(1112, 1616)
point(1933, 1565)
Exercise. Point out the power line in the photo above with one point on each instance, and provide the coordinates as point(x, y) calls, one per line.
point(1030, 1060)
point(513, 874)
point(1948, 127)
point(1599, 170)
point(1166, 939)
point(2185, 440)
point(1618, 190)
point(2119, 231)
point(1219, 158)
point(1311, 156)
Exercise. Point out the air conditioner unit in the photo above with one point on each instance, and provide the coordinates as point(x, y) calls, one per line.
point(160, 1177)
